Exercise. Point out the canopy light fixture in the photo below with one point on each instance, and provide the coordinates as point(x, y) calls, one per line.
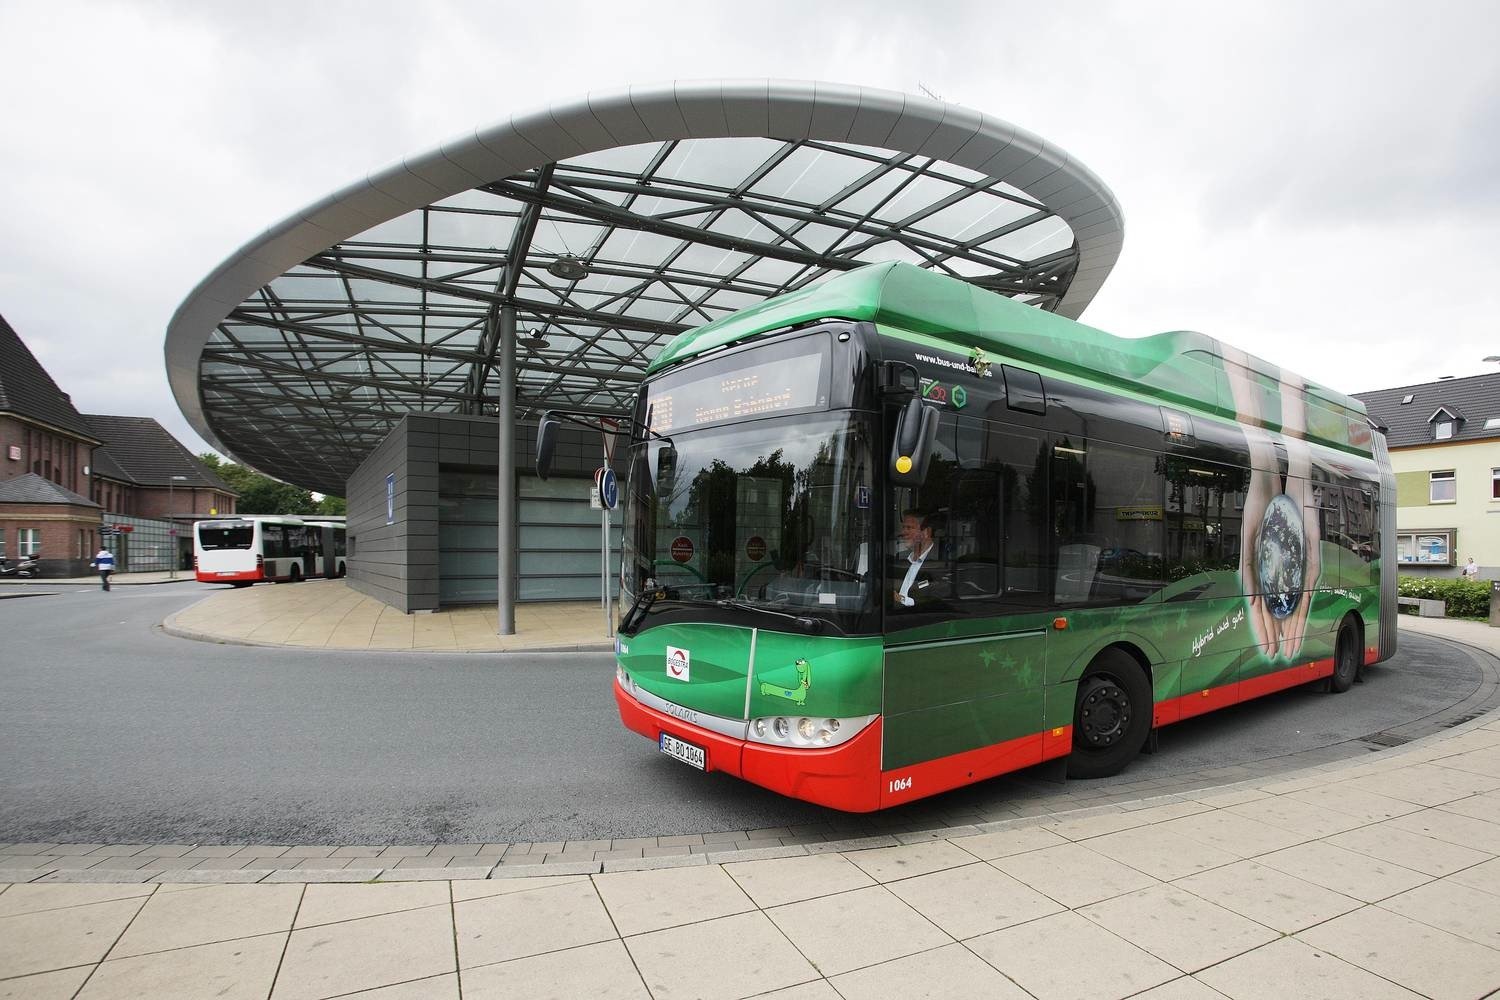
point(568, 267)
point(535, 340)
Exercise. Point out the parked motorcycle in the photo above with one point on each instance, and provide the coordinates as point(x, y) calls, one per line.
point(25, 569)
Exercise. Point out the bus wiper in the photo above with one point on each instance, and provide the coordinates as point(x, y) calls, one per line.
point(811, 624)
point(640, 606)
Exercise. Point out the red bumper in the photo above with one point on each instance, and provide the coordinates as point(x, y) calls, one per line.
point(844, 777)
point(254, 575)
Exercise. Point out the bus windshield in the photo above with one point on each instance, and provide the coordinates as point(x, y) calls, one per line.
point(225, 536)
point(766, 523)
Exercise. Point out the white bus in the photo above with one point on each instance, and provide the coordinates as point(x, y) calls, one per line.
point(245, 550)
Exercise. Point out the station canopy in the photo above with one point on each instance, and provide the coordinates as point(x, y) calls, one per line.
point(607, 225)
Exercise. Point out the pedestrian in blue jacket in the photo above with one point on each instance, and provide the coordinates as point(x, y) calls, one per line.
point(104, 562)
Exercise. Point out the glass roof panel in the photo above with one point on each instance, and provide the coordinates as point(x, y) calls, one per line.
point(817, 237)
point(467, 229)
point(638, 247)
point(1038, 240)
point(1010, 190)
point(889, 250)
point(476, 198)
point(771, 271)
point(741, 226)
point(367, 290)
point(403, 229)
point(409, 267)
point(564, 235)
point(975, 215)
point(811, 176)
point(922, 191)
point(722, 163)
point(709, 260)
point(869, 196)
point(963, 175)
point(621, 159)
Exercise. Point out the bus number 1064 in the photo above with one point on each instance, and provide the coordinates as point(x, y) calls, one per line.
point(900, 784)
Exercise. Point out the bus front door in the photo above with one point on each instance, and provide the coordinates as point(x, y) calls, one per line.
point(960, 710)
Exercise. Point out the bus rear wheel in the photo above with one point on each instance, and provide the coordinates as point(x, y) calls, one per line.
point(1111, 716)
point(1345, 657)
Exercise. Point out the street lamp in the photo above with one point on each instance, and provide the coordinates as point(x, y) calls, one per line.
point(172, 531)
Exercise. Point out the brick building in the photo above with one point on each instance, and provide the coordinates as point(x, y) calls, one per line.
point(60, 469)
point(142, 473)
point(54, 525)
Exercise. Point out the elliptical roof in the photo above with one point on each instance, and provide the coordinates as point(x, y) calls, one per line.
point(608, 224)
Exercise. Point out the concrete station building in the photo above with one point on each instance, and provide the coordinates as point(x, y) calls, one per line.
point(396, 342)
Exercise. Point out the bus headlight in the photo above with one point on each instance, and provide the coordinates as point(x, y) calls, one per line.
point(808, 732)
point(624, 678)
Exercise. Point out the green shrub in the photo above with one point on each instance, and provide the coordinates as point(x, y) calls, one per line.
point(1461, 598)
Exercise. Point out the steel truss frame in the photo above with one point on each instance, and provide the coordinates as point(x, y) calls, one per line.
point(403, 318)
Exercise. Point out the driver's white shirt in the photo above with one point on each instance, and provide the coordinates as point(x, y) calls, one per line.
point(911, 576)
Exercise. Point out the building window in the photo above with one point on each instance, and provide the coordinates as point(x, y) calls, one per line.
point(1495, 484)
point(28, 542)
point(1442, 430)
point(1442, 487)
point(1426, 548)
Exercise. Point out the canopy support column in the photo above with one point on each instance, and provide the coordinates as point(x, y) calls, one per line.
point(505, 472)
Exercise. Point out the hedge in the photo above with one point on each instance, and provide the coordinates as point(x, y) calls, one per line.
point(1461, 598)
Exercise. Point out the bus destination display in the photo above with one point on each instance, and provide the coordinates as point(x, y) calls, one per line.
point(757, 390)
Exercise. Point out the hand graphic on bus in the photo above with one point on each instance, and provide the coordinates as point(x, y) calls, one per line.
point(1280, 562)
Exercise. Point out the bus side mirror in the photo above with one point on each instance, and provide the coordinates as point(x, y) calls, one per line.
point(546, 443)
point(666, 467)
point(912, 449)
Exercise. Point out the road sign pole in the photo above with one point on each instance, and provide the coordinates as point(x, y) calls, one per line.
point(609, 625)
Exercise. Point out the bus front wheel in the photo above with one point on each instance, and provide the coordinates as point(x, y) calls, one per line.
point(1111, 716)
point(1345, 657)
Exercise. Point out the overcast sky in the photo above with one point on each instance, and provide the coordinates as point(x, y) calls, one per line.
point(1318, 183)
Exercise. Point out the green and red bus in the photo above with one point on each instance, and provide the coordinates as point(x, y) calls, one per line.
point(894, 533)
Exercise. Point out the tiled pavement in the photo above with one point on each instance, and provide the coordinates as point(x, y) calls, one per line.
point(328, 614)
point(1372, 876)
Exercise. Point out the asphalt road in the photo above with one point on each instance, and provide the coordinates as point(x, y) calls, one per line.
point(113, 732)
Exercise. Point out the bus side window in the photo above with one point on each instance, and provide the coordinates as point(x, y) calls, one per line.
point(1204, 509)
point(1108, 514)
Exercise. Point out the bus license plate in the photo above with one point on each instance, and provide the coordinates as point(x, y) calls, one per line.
point(693, 756)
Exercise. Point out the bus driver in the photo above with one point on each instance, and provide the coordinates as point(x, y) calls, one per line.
point(917, 586)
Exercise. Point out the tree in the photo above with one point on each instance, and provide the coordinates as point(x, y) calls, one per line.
point(260, 494)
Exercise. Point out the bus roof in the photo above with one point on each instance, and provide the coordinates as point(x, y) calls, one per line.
point(1182, 368)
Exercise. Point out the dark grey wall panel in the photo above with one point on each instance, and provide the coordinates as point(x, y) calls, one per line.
point(399, 563)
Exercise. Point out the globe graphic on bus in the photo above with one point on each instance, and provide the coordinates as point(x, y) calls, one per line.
point(1281, 556)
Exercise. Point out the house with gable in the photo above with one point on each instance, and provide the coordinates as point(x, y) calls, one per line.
point(1444, 439)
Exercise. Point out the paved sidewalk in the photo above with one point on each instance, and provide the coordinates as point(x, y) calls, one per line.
point(328, 614)
point(1377, 876)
